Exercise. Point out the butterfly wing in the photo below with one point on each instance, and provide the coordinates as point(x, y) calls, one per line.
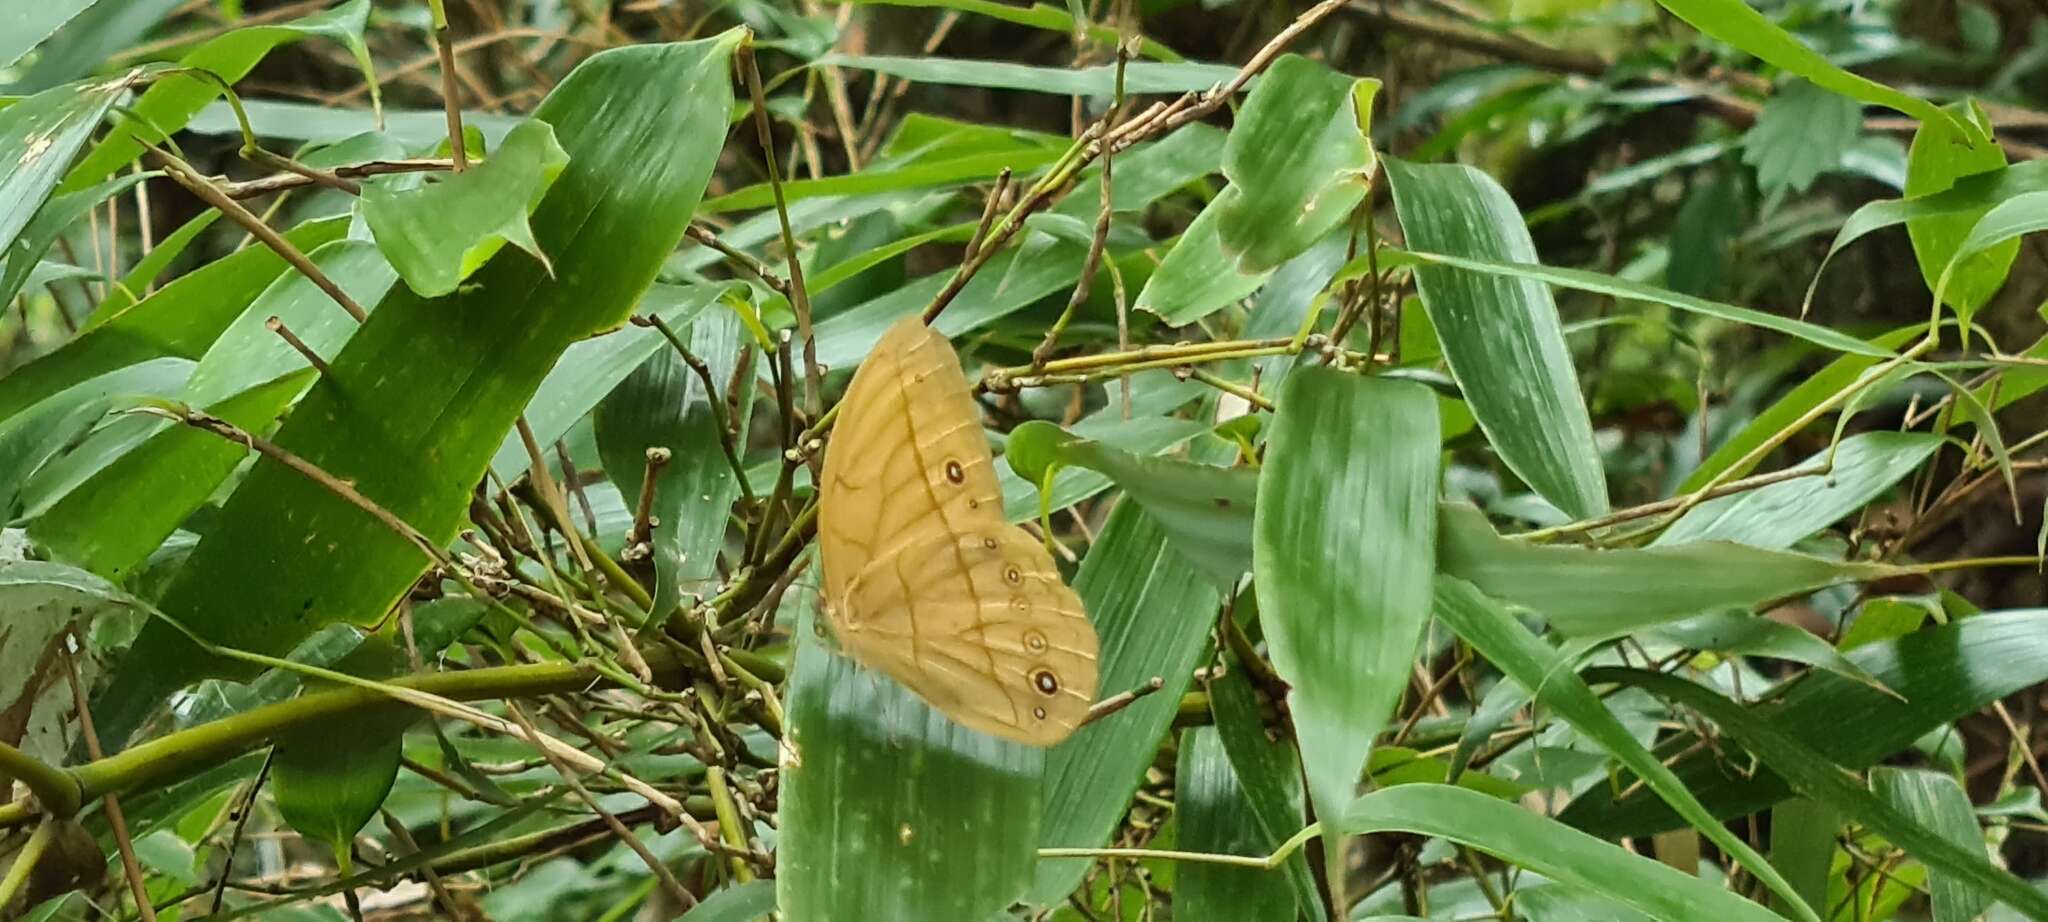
point(924, 579)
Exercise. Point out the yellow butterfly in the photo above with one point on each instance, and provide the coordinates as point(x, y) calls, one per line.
point(924, 578)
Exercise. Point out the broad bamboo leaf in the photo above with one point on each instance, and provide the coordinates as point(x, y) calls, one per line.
point(1198, 278)
point(1547, 847)
point(1501, 335)
point(664, 404)
point(1100, 80)
point(1268, 770)
point(172, 101)
point(1210, 806)
point(1152, 612)
point(1532, 663)
point(1299, 156)
point(1350, 477)
point(23, 25)
point(1938, 674)
point(891, 811)
point(439, 232)
point(40, 135)
point(330, 778)
point(1939, 158)
point(1813, 775)
point(180, 321)
point(1782, 514)
point(1937, 802)
point(1585, 592)
point(431, 387)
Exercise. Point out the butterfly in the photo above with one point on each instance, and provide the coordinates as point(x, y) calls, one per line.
point(925, 580)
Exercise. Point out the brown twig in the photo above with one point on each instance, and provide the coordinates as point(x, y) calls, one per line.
point(117, 823)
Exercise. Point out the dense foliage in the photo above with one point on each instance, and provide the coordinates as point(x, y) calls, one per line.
point(1553, 460)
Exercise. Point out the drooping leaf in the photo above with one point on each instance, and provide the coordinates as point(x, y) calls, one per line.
point(440, 232)
point(1532, 663)
point(1939, 157)
point(1298, 157)
point(1501, 335)
point(1350, 476)
point(433, 386)
point(1152, 612)
point(1268, 770)
point(1585, 592)
point(330, 778)
point(1204, 509)
point(1938, 674)
point(1547, 847)
point(1814, 776)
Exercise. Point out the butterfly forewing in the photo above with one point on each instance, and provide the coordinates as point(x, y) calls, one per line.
point(924, 578)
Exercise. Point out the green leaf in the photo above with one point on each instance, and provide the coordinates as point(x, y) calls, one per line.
point(329, 779)
point(1970, 195)
point(1735, 22)
point(590, 369)
point(1938, 158)
point(1100, 80)
point(1782, 514)
point(1813, 775)
point(891, 811)
point(1012, 281)
point(38, 138)
point(110, 523)
point(1037, 16)
point(1500, 335)
point(172, 101)
point(735, 903)
point(247, 353)
point(58, 214)
point(664, 404)
point(32, 438)
point(1742, 633)
point(2004, 224)
point(1937, 802)
point(1350, 475)
point(1210, 806)
point(1810, 392)
point(885, 177)
point(1584, 592)
point(144, 273)
point(1803, 847)
point(85, 43)
point(1616, 287)
point(1704, 231)
point(181, 320)
point(1299, 157)
point(1198, 278)
point(1547, 847)
point(317, 124)
point(1532, 663)
point(433, 386)
point(1939, 674)
point(23, 25)
point(1800, 134)
point(1268, 769)
point(1152, 611)
point(1205, 509)
point(440, 232)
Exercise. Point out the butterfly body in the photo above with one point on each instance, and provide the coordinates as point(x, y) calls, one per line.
point(925, 580)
